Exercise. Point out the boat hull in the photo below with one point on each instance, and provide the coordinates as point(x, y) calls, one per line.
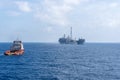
point(17, 52)
point(71, 41)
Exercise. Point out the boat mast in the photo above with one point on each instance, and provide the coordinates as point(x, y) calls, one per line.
point(64, 35)
point(71, 33)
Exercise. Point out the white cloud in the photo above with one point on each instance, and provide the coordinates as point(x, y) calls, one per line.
point(56, 13)
point(49, 29)
point(102, 14)
point(0, 4)
point(114, 23)
point(111, 23)
point(13, 13)
point(23, 6)
point(72, 2)
point(115, 4)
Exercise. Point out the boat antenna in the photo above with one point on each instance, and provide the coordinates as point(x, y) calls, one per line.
point(71, 33)
point(64, 35)
point(17, 38)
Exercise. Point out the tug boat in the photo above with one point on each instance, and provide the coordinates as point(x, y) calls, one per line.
point(16, 48)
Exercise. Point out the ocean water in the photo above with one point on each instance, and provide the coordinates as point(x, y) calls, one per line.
point(44, 61)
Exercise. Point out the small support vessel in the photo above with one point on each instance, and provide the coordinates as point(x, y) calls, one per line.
point(16, 48)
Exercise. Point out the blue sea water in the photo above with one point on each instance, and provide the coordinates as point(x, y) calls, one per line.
point(43, 61)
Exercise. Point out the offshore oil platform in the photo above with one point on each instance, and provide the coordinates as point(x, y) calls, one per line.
point(70, 40)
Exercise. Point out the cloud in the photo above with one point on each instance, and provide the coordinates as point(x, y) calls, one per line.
point(110, 22)
point(1, 4)
point(23, 6)
point(114, 4)
point(114, 23)
point(13, 13)
point(55, 12)
point(58, 12)
point(49, 29)
point(72, 2)
point(102, 14)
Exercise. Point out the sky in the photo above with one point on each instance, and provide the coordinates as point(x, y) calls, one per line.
point(48, 20)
